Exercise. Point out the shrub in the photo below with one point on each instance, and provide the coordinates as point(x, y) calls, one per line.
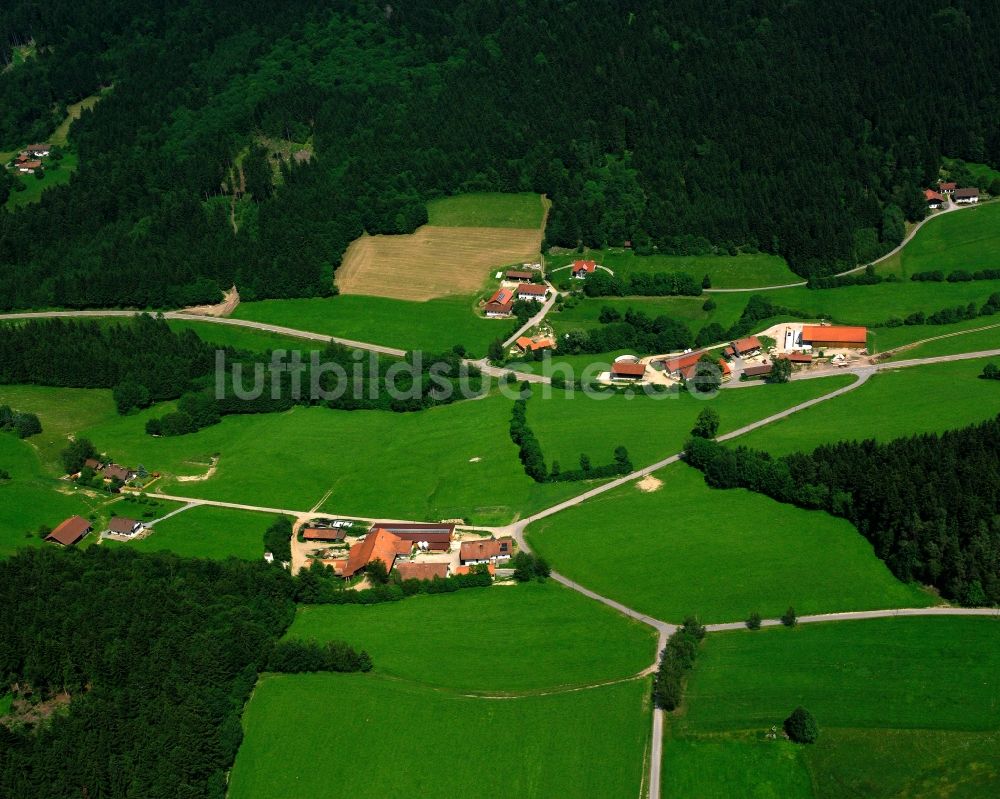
point(753, 622)
point(801, 727)
point(789, 619)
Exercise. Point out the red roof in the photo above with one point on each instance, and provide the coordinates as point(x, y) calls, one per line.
point(501, 297)
point(468, 569)
point(930, 194)
point(946, 186)
point(584, 266)
point(746, 344)
point(422, 571)
point(798, 357)
point(70, 531)
point(323, 534)
point(30, 164)
point(757, 371)
point(689, 371)
point(628, 369)
point(841, 334)
point(526, 343)
point(486, 548)
point(533, 289)
point(378, 545)
point(681, 362)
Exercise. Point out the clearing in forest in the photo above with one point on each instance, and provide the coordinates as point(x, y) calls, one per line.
point(433, 261)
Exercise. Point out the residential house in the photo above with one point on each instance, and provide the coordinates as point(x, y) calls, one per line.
point(409, 570)
point(378, 545)
point(437, 536)
point(836, 336)
point(93, 463)
point(120, 525)
point(29, 167)
point(583, 268)
point(70, 531)
point(38, 150)
point(500, 304)
point(934, 200)
point(627, 370)
point(947, 188)
point(966, 196)
point(486, 550)
point(532, 291)
point(526, 344)
point(517, 276)
point(744, 346)
point(115, 472)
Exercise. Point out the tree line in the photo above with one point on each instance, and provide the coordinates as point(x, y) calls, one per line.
point(21, 423)
point(929, 504)
point(654, 284)
point(185, 186)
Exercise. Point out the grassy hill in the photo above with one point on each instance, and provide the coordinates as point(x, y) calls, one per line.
point(487, 209)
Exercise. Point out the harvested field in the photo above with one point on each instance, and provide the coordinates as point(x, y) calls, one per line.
point(433, 261)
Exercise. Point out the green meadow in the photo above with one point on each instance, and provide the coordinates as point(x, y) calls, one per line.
point(888, 338)
point(966, 239)
point(242, 338)
point(56, 173)
point(725, 271)
point(686, 548)
point(433, 326)
point(883, 692)
point(552, 636)
point(487, 209)
point(892, 404)
point(313, 736)
point(208, 532)
point(971, 341)
point(651, 427)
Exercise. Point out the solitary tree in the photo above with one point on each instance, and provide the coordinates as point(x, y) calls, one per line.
point(753, 623)
point(495, 351)
point(706, 282)
point(801, 727)
point(707, 425)
point(789, 619)
point(585, 462)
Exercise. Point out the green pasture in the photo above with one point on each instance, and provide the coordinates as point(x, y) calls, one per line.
point(315, 735)
point(434, 326)
point(507, 639)
point(487, 209)
point(57, 173)
point(243, 338)
point(892, 404)
point(686, 549)
point(888, 338)
point(749, 270)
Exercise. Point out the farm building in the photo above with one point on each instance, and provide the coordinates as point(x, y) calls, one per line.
point(526, 344)
point(38, 150)
point(93, 463)
point(438, 536)
point(120, 525)
point(798, 357)
point(28, 167)
point(966, 196)
point(378, 545)
point(627, 370)
point(518, 276)
point(684, 366)
point(115, 472)
point(486, 550)
point(743, 346)
point(468, 569)
point(422, 571)
point(500, 304)
point(835, 336)
point(532, 291)
point(947, 188)
point(583, 268)
point(70, 531)
point(323, 533)
point(759, 370)
point(933, 199)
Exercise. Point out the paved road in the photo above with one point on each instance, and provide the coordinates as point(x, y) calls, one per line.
point(537, 318)
point(216, 320)
point(906, 239)
point(863, 614)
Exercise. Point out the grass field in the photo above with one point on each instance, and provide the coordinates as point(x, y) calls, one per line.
point(893, 404)
point(887, 338)
point(966, 239)
point(651, 428)
point(433, 261)
point(487, 209)
point(725, 271)
point(689, 549)
point(553, 637)
point(433, 326)
point(972, 341)
point(242, 338)
point(207, 532)
point(318, 735)
point(61, 134)
point(883, 691)
point(33, 187)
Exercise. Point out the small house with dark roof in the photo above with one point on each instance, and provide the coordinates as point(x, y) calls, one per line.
point(758, 370)
point(486, 550)
point(122, 525)
point(408, 570)
point(532, 291)
point(323, 534)
point(947, 188)
point(968, 196)
point(518, 276)
point(70, 531)
point(437, 536)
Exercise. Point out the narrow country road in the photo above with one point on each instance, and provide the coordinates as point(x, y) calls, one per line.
point(854, 615)
point(537, 318)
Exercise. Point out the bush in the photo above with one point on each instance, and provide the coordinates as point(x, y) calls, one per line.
point(801, 727)
point(753, 622)
point(528, 566)
point(789, 619)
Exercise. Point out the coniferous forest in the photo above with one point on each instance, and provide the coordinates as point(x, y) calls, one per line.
point(929, 504)
point(653, 124)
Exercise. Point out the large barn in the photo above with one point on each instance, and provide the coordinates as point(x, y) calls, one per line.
point(835, 336)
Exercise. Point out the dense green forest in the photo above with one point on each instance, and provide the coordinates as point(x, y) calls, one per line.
point(691, 127)
point(131, 671)
point(929, 504)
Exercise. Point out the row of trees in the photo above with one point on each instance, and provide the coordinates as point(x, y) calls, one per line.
point(929, 504)
point(655, 284)
point(319, 585)
point(956, 275)
point(295, 656)
point(533, 460)
point(676, 660)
